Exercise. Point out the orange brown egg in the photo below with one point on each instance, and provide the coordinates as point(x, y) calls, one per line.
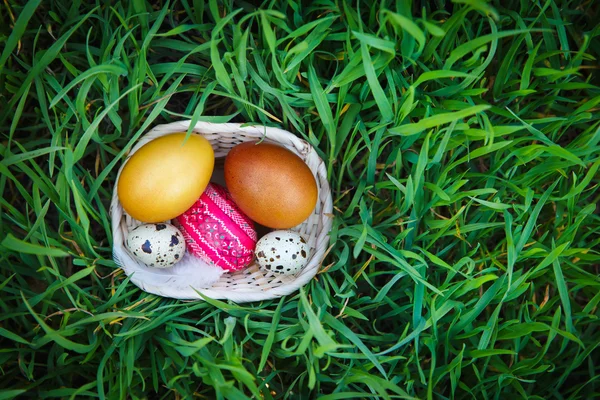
point(270, 184)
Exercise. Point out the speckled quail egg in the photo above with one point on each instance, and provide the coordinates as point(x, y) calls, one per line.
point(284, 252)
point(156, 245)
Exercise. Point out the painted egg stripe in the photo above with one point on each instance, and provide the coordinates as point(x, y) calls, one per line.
point(220, 196)
point(217, 210)
point(195, 248)
point(225, 243)
point(204, 208)
point(221, 223)
point(200, 248)
point(212, 253)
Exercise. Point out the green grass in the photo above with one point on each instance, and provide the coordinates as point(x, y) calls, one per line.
point(462, 142)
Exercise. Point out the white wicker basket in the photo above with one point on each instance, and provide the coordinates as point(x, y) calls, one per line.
point(252, 283)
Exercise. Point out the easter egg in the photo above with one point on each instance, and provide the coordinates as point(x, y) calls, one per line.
point(270, 184)
point(216, 231)
point(283, 252)
point(156, 245)
point(165, 177)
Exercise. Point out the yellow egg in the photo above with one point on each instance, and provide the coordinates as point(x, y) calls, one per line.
point(165, 177)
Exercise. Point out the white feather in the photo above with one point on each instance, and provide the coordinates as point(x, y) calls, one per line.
point(189, 272)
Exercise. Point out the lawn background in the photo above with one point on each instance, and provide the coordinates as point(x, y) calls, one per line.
point(462, 144)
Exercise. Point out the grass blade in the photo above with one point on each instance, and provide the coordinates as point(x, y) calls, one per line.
point(437, 120)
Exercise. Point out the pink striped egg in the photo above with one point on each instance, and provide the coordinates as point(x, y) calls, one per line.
point(216, 231)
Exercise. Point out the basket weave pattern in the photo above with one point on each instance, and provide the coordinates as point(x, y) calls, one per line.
point(252, 283)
